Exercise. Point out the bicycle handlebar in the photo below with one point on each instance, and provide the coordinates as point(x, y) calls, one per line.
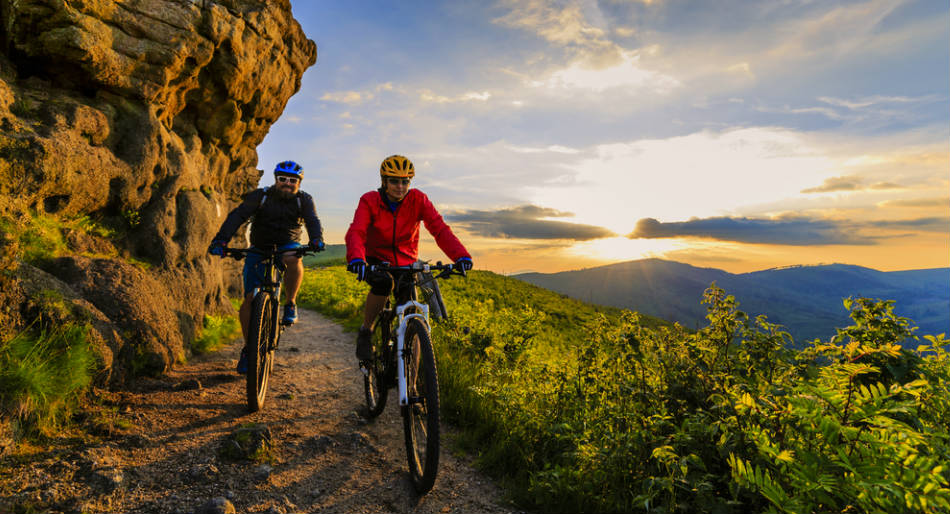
point(239, 253)
point(445, 270)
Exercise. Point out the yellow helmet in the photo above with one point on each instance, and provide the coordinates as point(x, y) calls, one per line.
point(397, 166)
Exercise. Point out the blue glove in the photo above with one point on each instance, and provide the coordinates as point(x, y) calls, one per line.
point(357, 266)
point(463, 264)
point(217, 248)
point(317, 246)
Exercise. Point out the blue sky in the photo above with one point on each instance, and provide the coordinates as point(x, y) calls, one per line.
point(562, 134)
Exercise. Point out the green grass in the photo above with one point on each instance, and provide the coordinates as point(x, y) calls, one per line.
point(333, 255)
point(40, 237)
point(43, 376)
point(577, 408)
point(216, 331)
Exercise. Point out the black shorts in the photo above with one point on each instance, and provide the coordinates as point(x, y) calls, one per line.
point(381, 283)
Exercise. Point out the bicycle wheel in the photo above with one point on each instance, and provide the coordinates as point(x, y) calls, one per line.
point(259, 360)
point(421, 416)
point(375, 379)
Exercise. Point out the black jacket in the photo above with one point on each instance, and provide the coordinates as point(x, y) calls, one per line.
point(275, 221)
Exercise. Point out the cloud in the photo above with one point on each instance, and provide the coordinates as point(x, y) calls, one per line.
point(347, 97)
point(426, 95)
point(928, 224)
point(885, 186)
point(701, 174)
point(356, 97)
point(870, 101)
point(627, 73)
point(799, 231)
point(917, 202)
point(849, 183)
point(564, 24)
point(526, 222)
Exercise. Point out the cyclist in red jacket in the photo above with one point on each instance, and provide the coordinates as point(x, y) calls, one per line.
point(385, 228)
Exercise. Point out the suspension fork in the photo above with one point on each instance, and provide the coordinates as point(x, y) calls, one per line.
point(402, 385)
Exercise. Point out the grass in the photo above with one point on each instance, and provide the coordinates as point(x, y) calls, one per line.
point(576, 408)
point(40, 237)
point(333, 255)
point(43, 376)
point(215, 332)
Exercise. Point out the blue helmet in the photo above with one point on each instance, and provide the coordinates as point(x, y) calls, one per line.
point(289, 168)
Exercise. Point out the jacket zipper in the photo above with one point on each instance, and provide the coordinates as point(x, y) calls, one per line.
point(395, 256)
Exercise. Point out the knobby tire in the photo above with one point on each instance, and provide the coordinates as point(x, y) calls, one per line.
point(421, 416)
point(376, 380)
point(259, 356)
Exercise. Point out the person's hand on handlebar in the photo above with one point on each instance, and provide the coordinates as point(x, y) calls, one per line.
point(217, 248)
point(357, 266)
point(463, 264)
point(317, 246)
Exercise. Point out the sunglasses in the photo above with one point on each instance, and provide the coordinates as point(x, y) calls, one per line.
point(398, 181)
point(289, 180)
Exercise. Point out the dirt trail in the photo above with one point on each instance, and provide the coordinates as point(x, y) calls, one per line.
point(329, 458)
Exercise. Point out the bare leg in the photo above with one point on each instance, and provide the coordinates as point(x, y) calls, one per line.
point(374, 305)
point(293, 276)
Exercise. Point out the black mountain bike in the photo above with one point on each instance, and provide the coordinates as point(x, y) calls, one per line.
point(263, 332)
point(403, 358)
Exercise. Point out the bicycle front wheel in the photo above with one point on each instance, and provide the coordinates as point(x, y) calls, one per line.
point(376, 376)
point(421, 416)
point(259, 354)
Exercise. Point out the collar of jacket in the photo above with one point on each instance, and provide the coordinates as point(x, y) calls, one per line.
point(392, 206)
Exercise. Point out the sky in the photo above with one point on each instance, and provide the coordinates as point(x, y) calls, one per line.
point(558, 135)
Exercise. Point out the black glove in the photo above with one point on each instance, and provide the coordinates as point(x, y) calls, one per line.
point(357, 266)
point(317, 246)
point(463, 264)
point(217, 248)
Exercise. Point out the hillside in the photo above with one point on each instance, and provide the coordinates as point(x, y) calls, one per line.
point(580, 408)
point(805, 299)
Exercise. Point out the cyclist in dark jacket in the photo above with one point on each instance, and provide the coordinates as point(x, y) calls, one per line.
point(277, 214)
point(385, 228)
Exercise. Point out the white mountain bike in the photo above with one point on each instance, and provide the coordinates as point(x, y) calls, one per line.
point(403, 358)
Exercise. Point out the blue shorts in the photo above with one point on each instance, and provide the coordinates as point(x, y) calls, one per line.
point(254, 267)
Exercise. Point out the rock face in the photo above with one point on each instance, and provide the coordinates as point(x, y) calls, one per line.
point(145, 113)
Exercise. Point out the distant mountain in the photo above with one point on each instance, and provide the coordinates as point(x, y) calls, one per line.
point(807, 300)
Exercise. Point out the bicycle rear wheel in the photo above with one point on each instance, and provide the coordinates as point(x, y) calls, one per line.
point(421, 416)
point(259, 354)
point(376, 378)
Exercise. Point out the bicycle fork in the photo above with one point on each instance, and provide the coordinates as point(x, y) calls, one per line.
point(401, 381)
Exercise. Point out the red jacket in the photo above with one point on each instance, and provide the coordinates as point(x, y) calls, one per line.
point(377, 232)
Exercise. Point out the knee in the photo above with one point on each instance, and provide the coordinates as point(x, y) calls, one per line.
point(292, 262)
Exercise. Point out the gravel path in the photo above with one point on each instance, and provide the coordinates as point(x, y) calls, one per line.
point(326, 456)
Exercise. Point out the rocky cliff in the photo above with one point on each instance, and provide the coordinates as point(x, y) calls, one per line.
point(128, 130)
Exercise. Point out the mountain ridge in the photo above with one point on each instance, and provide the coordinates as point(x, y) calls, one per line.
point(806, 299)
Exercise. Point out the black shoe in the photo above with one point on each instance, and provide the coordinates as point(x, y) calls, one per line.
point(364, 345)
point(242, 363)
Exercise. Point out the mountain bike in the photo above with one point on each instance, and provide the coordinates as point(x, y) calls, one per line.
point(264, 330)
point(403, 358)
